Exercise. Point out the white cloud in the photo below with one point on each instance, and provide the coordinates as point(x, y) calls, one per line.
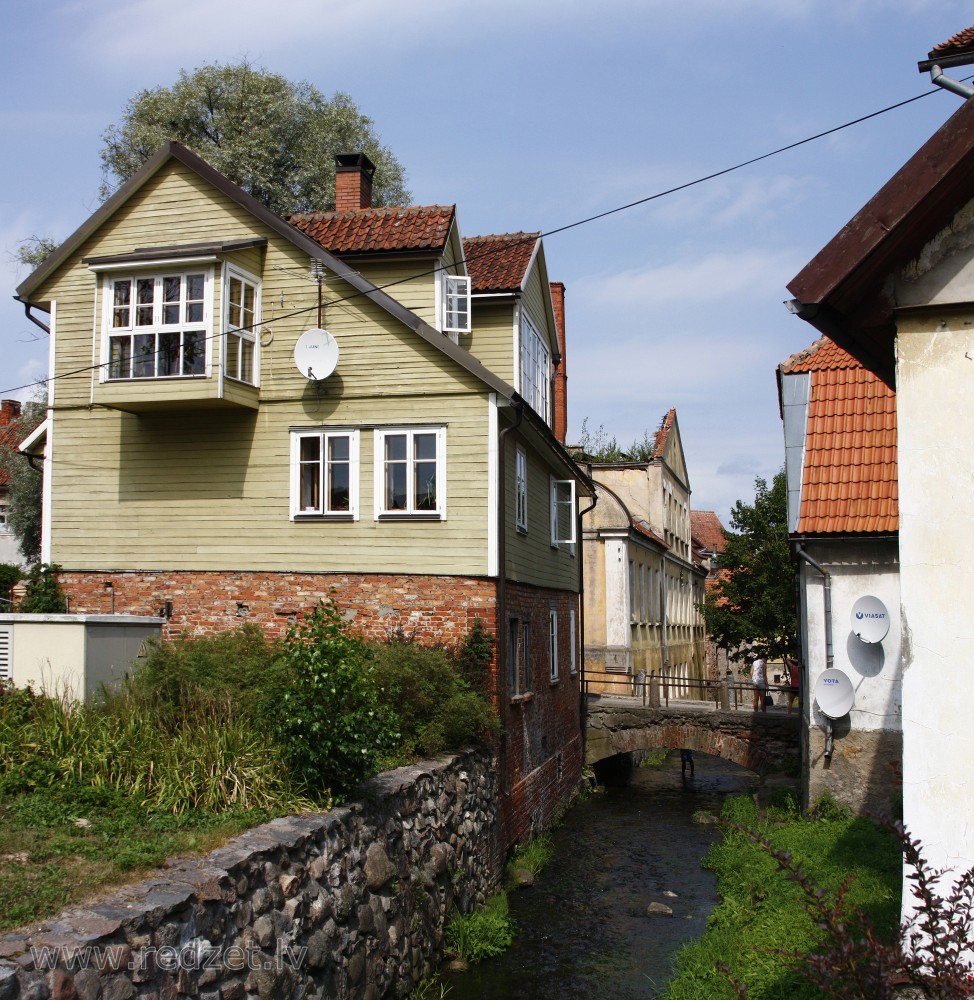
point(746, 275)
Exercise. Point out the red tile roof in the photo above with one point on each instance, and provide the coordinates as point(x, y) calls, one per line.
point(963, 41)
point(379, 230)
point(499, 263)
point(662, 435)
point(10, 434)
point(849, 481)
point(707, 531)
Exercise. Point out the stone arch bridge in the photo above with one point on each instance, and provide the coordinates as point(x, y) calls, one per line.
point(759, 741)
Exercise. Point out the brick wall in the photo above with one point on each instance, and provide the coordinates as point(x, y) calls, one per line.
point(433, 608)
point(541, 753)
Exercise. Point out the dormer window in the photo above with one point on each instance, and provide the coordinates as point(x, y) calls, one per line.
point(158, 325)
point(456, 303)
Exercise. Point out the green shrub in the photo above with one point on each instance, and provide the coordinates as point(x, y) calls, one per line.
point(473, 656)
point(323, 708)
point(239, 664)
point(9, 575)
point(436, 707)
point(482, 934)
point(44, 595)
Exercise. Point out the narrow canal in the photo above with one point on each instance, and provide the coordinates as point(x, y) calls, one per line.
point(582, 929)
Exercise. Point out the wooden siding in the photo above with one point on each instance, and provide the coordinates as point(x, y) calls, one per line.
point(530, 556)
point(493, 339)
point(191, 489)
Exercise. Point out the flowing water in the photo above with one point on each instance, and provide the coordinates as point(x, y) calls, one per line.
point(582, 929)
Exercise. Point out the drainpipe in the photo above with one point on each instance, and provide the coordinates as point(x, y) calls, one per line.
point(501, 607)
point(34, 319)
point(829, 658)
point(580, 635)
point(945, 82)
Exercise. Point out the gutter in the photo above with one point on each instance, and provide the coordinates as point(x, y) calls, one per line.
point(829, 657)
point(935, 68)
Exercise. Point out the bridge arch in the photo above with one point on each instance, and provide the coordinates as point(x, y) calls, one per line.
point(758, 742)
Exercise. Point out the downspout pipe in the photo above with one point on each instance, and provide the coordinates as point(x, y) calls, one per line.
point(945, 82)
point(829, 657)
point(580, 637)
point(501, 608)
point(27, 312)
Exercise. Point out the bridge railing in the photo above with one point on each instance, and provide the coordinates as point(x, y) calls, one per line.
point(657, 689)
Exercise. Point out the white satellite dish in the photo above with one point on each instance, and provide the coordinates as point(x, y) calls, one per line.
point(870, 619)
point(834, 693)
point(316, 354)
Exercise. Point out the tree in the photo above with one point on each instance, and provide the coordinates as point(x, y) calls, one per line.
point(751, 609)
point(274, 138)
point(24, 484)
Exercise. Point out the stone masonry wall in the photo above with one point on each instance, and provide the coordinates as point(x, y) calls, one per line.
point(349, 903)
point(864, 773)
point(432, 608)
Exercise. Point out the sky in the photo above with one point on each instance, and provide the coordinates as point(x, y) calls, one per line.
point(534, 115)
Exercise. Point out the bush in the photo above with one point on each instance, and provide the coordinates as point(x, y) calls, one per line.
point(9, 576)
point(473, 656)
point(44, 595)
point(436, 707)
point(238, 664)
point(482, 934)
point(323, 707)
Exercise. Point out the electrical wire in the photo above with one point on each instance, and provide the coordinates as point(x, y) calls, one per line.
point(534, 236)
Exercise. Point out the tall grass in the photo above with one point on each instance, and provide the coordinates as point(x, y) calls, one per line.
point(202, 754)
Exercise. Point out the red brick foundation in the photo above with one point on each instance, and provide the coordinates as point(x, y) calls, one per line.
point(431, 608)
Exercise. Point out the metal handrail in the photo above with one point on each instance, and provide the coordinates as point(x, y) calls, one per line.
point(656, 689)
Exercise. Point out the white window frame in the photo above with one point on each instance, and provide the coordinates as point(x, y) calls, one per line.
point(455, 304)
point(438, 513)
point(241, 334)
point(4, 517)
point(562, 498)
point(157, 327)
point(553, 644)
point(535, 373)
point(321, 512)
point(521, 489)
point(572, 639)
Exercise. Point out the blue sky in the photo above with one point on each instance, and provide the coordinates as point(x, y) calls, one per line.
point(533, 115)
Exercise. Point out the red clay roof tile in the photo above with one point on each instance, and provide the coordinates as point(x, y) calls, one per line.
point(499, 263)
point(961, 42)
point(379, 230)
point(849, 481)
point(707, 531)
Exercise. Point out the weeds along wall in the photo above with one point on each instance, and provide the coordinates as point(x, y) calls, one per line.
point(351, 903)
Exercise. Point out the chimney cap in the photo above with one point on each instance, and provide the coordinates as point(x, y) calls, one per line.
point(345, 162)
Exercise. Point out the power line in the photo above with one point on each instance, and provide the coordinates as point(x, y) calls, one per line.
point(548, 233)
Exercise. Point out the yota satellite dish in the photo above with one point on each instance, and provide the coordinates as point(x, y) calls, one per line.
point(316, 354)
point(870, 619)
point(834, 693)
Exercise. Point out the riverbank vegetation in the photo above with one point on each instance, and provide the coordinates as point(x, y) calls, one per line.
point(212, 735)
point(762, 924)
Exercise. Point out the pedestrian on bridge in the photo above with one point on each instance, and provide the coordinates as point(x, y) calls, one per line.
point(794, 679)
point(759, 682)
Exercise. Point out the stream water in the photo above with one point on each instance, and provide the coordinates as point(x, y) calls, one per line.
point(582, 929)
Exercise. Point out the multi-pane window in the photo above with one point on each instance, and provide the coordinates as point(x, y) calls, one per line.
point(4, 526)
point(563, 512)
point(456, 303)
point(513, 656)
point(553, 643)
point(324, 470)
point(535, 368)
point(158, 325)
point(521, 490)
point(526, 656)
point(411, 472)
point(240, 343)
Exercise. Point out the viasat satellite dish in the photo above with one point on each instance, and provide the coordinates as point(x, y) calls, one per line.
point(316, 354)
point(870, 619)
point(834, 693)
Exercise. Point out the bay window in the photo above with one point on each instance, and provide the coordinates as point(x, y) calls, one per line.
point(240, 341)
point(535, 383)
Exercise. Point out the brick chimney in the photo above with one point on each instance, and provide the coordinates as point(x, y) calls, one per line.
point(560, 423)
point(9, 411)
point(353, 182)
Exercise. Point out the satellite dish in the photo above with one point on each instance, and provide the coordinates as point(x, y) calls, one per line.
point(870, 619)
point(316, 354)
point(834, 693)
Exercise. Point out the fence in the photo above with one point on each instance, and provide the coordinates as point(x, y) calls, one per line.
point(657, 689)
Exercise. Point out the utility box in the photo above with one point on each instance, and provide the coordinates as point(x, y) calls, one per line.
point(73, 655)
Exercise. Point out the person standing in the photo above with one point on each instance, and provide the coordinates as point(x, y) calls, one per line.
point(759, 682)
point(794, 675)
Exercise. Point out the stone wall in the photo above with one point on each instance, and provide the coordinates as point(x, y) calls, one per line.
point(349, 903)
point(865, 771)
